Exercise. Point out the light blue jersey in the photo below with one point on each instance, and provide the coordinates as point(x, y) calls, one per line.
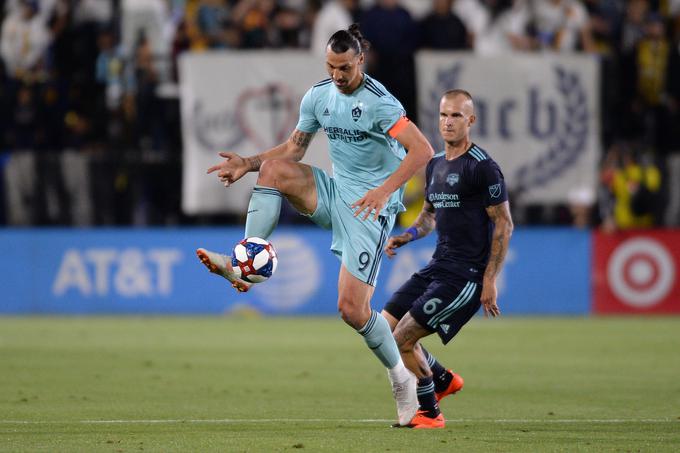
point(357, 124)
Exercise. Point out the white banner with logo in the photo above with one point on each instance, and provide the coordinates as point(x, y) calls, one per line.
point(537, 115)
point(245, 103)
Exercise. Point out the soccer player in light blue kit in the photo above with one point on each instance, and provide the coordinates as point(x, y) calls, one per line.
point(369, 136)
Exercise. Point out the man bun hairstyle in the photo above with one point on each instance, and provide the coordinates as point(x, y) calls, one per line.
point(343, 40)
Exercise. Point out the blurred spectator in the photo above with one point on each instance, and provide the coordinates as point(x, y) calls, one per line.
point(147, 17)
point(109, 69)
point(504, 28)
point(20, 187)
point(97, 11)
point(288, 27)
point(632, 28)
point(561, 25)
point(74, 79)
point(604, 23)
point(181, 42)
point(147, 111)
point(210, 16)
point(23, 43)
point(652, 65)
point(645, 71)
point(25, 119)
point(44, 8)
point(442, 29)
point(254, 19)
point(473, 14)
point(333, 16)
point(630, 34)
point(393, 37)
point(635, 184)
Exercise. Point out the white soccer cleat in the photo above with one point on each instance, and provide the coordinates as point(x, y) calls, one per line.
point(219, 264)
point(407, 399)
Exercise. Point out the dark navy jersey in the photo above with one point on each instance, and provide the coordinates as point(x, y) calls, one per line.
point(460, 190)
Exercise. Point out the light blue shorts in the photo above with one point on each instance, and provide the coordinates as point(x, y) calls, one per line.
point(357, 243)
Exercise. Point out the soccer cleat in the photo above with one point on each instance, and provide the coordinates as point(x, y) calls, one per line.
point(422, 421)
point(454, 386)
point(406, 397)
point(219, 264)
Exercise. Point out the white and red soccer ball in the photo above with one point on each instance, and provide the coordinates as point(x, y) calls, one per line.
point(254, 259)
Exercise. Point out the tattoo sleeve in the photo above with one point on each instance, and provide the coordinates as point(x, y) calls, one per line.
point(301, 139)
point(254, 163)
point(425, 222)
point(500, 216)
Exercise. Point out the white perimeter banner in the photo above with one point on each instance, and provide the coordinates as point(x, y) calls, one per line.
point(537, 115)
point(245, 103)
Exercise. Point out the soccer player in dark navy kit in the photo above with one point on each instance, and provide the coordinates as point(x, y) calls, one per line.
point(467, 203)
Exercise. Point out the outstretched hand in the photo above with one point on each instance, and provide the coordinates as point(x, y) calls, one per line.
point(488, 299)
point(395, 242)
point(231, 169)
point(374, 200)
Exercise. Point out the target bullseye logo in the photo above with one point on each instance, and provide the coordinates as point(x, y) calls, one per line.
point(641, 272)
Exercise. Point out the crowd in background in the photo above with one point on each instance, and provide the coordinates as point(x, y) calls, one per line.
point(89, 112)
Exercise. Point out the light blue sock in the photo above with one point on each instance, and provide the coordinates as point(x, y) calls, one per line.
point(263, 212)
point(378, 337)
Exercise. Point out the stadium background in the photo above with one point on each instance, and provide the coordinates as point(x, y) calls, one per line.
point(114, 338)
point(113, 110)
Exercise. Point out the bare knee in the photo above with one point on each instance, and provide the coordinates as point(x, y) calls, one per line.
point(356, 315)
point(273, 173)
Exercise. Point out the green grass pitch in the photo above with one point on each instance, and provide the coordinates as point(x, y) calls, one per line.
point(240, 384)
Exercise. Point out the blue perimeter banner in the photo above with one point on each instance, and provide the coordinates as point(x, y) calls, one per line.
point(155, 271)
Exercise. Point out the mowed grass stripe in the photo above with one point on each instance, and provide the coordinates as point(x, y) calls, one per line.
point(282, 384)
point(334, 420)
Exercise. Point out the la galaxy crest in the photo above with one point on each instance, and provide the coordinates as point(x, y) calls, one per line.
point(357, 111)
point(452, 179)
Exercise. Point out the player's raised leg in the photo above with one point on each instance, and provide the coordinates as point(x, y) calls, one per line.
point(354, 298)
point(277, 178)
point(407, 333)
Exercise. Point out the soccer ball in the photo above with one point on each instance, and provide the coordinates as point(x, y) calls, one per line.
point(254, 259)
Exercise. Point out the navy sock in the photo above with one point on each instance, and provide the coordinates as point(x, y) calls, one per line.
point(426, 397)
point(442, 378)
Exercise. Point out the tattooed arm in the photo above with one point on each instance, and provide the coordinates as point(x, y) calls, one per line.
point(423, 226)
point(500, 216)
point(292, 149)
point(233, 167)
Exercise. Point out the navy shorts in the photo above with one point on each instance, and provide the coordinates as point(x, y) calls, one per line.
point(438, 305)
